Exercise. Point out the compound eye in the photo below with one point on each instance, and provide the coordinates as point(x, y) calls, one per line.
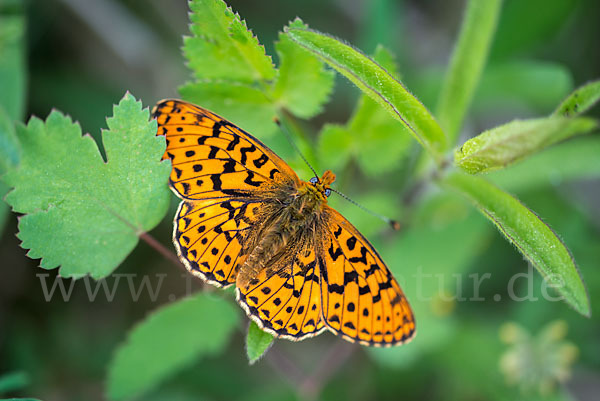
point(314, 180)
point(327, 192)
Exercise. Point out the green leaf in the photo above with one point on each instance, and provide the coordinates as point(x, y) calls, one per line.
point(371, 136)
point(258, 343)
point(80, 212)
point(503, 145)
point(222, 47)
point(13, 381)
point(12, 65)
point(335, 146)
point(381, 143)
point(169, 340)
point(532, 237)
point(573, 160)
point(10, 150)
point(303, 84)
point(580, 101)
point(241, 104)
point(377, 83)
point(467, 63)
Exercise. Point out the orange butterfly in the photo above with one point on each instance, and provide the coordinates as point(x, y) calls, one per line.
point(246, 218)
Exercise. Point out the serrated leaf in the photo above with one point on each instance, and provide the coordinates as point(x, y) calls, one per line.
point(222, 47)
point(258, 343)
point(82, 213)
point(532, 237)
point(303, 84)
point(580, 101)
point(241, 104)
point(167, 341)
point(12, 65)
point(377, 83)
point(466, 64)
point(508, 143)
point(573, 160)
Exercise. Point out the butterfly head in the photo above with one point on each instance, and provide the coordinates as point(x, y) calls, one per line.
point(322, 185)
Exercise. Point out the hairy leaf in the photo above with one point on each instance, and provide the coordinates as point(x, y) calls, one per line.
point(372, 136)
point(82, 213)
point(532, 237)
point(377, 83)
point(581, 100)
point(503, 145)
point(169, 340)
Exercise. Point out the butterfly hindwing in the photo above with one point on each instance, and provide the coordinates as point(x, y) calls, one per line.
point(285, 298)
point(361, 299)
point(212, 157)
point(209, 235)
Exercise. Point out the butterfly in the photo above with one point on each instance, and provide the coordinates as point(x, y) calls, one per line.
point(246, 219)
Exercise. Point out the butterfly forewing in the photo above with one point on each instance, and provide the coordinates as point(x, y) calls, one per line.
point(212, 157)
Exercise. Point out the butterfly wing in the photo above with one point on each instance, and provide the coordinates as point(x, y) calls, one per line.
point(214, 158)
point(209, 236)
point(227, 179)
point(360, 298)
point(285, 299)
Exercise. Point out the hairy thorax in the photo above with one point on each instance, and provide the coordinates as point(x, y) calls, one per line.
point(299, 213)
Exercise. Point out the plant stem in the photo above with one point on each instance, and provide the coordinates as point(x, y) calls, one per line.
point(160, 248)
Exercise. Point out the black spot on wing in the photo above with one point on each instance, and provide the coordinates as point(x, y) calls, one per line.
point(362, 258)
point(234, 143)
point(249, 177)
point(261, 161)
point(244, 152)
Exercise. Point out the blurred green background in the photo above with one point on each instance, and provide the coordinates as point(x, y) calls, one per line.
point(472, 343)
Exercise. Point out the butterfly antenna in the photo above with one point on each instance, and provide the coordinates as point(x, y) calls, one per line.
point(393, 223)
point(285, 130)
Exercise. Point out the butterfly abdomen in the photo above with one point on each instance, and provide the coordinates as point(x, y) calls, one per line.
point(293, 220)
